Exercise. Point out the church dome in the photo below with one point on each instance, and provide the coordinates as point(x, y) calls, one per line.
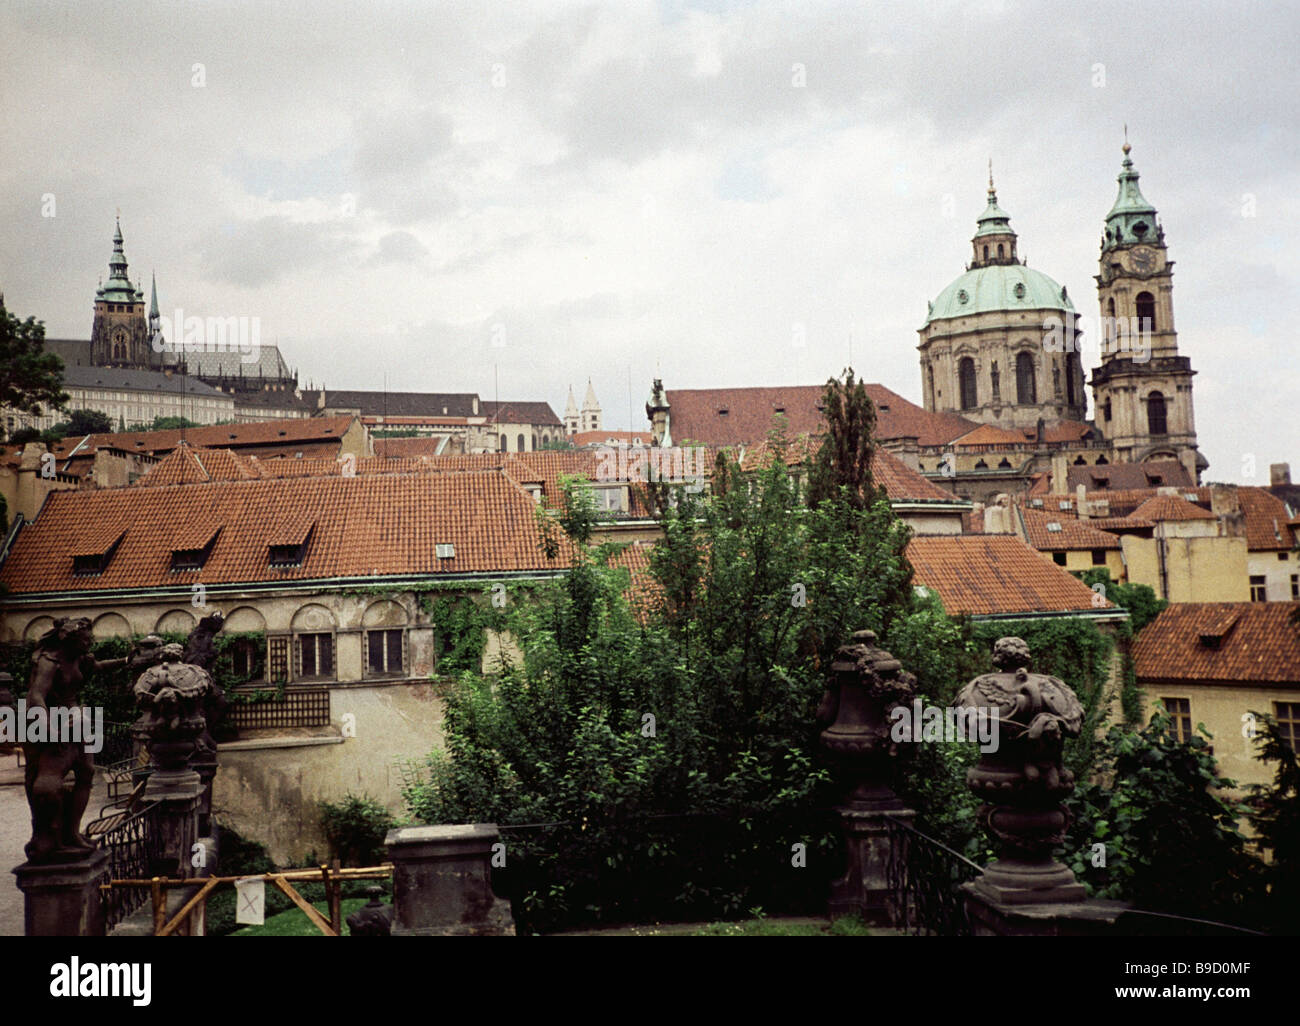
point(999, 287)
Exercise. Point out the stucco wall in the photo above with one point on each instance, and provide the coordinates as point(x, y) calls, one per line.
point(268, 789)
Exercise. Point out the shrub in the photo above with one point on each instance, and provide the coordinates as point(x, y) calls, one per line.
point(355, 828)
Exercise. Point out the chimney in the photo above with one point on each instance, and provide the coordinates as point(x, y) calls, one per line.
point(1081, 501)
point(1279, 474)
point(1060, 474)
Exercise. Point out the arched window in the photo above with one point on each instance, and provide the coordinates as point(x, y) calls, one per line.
point(521, 444)
point(1110, 307)
point(1105, 409)
point(1026, 394)
point(966, 375)
point(1069, 384)
point(999, 251)
point(1080, 462)
point(1157, 421)
point(986, 252)
point(1146, 310)
point(504, 443)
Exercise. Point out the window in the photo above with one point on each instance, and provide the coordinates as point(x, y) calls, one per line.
point(1026, 393)
point(1157, 423)
point(1146, 311)
point(1258, 588)
point(1287, 715)
point(1105, 412)
point(966, 376)
point(384, 652)
point(986, 252)
point(999, 251)
point(315, 656)
point(1295, 587)
point(1069, 383)
point(1098, 557)
point(246, 658)
point(277, 659)
point(503, 444)
point(1058, 558)
point(1180, 717)
point(1282, 556)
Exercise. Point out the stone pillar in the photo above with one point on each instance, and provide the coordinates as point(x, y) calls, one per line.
point(62, 899)
point(865, 683)
point(442, 882)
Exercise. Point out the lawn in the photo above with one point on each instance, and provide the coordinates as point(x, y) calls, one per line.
point(294, 922)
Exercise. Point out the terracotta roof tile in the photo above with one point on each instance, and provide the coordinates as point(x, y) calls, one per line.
point(1171, 507)
point(1256, 643)
point(987, 434)
point(696, 415)
point(1122, 476)
point(365, 526)
point(1070, 532)
point(284, 431)
point(1268, 523)
point(988, 574)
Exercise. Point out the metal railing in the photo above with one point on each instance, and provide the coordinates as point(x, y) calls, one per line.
point(135, 845)
point(925, 876)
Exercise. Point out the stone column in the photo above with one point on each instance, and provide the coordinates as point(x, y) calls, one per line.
point(62, 899)
point(865, 683)
point(442, 882)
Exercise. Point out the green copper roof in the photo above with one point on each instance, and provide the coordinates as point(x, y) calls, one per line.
point(999, 287)
point(118, 288)
point(994, 220)
point(1132, 219)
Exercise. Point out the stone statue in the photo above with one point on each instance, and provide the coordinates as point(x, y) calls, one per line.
point(170, 697)
point(1022, 781)
point(61, 663)
point(374, 919)
point(996, 378)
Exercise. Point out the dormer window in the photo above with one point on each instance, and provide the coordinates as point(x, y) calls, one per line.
point(723, 411)
point(287, 547)
point(97, 552)
point(193, 551)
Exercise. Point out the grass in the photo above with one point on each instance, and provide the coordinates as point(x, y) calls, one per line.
point(846, 926)
point(294, 922)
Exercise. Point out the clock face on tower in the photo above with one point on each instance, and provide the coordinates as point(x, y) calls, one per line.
point(1144, 260)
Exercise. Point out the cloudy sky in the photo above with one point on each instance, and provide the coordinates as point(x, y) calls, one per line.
point(438, 196)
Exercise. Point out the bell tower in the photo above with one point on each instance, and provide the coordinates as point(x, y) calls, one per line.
point(1142, 391)
point(119, 336)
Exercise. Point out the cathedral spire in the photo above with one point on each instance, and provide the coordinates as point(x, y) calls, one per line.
point(994, 241)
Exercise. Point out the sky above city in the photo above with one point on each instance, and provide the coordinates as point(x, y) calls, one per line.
point(510, 198)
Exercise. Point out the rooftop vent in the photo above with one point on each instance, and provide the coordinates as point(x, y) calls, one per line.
point(1036, 503)
point(1063, 504)
point(446, 550)
point(1054, 526)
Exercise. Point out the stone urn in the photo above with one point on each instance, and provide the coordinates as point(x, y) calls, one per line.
point(1021, 779)
point(866, 682)
point(170, 696)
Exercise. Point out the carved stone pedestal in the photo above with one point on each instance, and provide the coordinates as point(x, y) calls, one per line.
point(62, 899)
point(992, 918)
point(864, 890)
point(442, 882)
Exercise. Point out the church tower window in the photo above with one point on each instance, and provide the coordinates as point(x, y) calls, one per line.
point(1157, 420)
point(1146, 311)
point(1026, 393)
point(966, 374)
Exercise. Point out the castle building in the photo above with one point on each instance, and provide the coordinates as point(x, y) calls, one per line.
point(121, 335)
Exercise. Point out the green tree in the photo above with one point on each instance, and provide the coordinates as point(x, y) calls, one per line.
point(171, 424)
point(30, 378)
point(1170, 838)
point(84, 422)
point(1275, 815)
point(842, 467)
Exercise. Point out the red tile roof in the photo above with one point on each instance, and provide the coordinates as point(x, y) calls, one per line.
point(1256, 643)
point(988, 574)
point(366, 526)
point(696, 415)
point(287, 431)
point(1070, 533)
point(987, 434)
point(1268, 524)
point(1121, 476)
point(520, 413)
point(900, 482)
point(1171, 507)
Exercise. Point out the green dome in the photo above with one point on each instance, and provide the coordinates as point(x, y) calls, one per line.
point(999, 287)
